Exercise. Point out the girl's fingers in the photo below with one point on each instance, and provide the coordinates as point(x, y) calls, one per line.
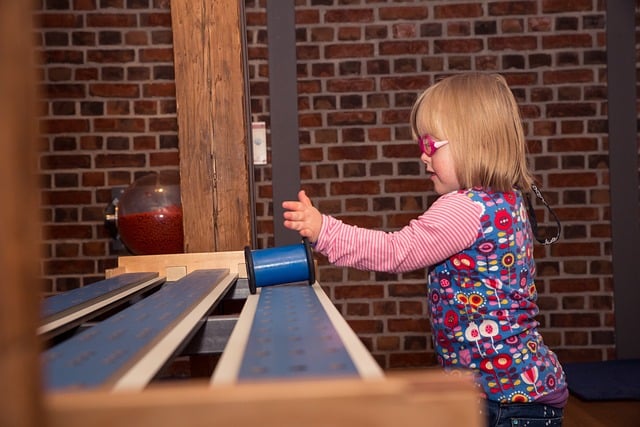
point(302, 196)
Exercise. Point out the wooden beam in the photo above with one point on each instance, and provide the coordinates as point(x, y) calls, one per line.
point(21, 403)
point(212, 100)
point(411, 399)
point(176, 266)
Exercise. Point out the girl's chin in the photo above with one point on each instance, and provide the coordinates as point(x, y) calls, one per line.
point(439, 188)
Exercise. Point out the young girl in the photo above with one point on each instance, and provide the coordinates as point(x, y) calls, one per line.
point(477, 242)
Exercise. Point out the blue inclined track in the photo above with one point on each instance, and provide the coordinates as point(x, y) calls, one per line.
point(101, 353)
point(293, 337)
point(56, 305)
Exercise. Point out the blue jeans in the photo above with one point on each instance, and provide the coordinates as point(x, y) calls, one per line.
point(522, 415)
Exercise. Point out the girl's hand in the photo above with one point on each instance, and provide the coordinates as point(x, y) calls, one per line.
point(303, 217)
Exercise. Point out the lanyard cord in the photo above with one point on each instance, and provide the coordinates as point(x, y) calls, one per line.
point(534, 222)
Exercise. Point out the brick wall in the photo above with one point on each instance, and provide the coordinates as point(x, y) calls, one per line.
point(109, 115)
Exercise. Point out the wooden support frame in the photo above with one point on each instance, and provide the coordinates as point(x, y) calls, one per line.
point(409, 399)
point(19, 216)
point(415, 399)
point(213, 124)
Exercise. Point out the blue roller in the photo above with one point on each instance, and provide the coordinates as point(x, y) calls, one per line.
point(284, 264)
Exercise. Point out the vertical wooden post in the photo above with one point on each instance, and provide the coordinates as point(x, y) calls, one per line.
point(21, 402)
point(213, 123)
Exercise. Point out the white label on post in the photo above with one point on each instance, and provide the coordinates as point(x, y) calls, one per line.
point(259, 135)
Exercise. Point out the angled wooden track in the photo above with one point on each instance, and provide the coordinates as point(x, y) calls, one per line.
point(126, 350)
point(64, 311)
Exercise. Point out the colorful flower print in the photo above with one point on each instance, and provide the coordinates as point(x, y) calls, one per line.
point(486, 247)
point(482, 303)
point(510, 198)
point(550, 381)
point(435, 297)
point(476, 300)
point(508, 260)
point(463, 262)
point(517, 397)
point(451, 319)
point(502, 361)
point(502, 220)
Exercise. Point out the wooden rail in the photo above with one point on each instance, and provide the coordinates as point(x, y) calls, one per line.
point(291, 360)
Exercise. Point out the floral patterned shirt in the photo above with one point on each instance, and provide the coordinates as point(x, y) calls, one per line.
point(482, 296)
point(482, 304)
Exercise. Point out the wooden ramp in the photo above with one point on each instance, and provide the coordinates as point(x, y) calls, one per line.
point(64, 311)
point(292, 331)
point(127, 350)
point(290, 360)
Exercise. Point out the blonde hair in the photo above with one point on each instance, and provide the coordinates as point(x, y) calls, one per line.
point(479, 116)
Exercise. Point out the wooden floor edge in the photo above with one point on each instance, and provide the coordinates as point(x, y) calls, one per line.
point(406, 399)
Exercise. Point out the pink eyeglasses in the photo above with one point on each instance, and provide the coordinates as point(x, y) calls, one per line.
point(429, 146)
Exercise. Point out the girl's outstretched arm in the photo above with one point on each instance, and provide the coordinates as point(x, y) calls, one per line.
point(302, 217)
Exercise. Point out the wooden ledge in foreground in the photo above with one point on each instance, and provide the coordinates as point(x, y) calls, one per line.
point(408, 399)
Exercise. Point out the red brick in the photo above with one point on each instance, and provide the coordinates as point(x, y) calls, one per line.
point(164, 159)
point(405, 13)
point(155, 19)
point(66, 197)
point(366, 326)
point(67, 232)
point(117, 56)
point(59, 20)
point(69, 90)
point(513, 43)
point(111, 20)
point(467, 46)
point(411, 360)
point(307, 17)
point(117, 90)
point(584, 320)
point(502, 8)
point(78, 266)
point(349, 50)
point(358, 309)
point(556, 6)
point(120, 160)
point(156, 55)
point(387, 343)
point(348, 15)
point(120, 125)
point(419, 47)
point(163, 124)
point(351, 85)
point(469, 10)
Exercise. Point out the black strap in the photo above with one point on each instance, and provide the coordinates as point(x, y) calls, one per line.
point(534, 222)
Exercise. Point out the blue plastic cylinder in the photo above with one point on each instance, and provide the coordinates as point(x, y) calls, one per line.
point(276, 266)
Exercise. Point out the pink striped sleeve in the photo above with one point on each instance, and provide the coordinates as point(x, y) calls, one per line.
point(450, 225)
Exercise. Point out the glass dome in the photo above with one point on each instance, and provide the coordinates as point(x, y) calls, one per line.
point(149, 215)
